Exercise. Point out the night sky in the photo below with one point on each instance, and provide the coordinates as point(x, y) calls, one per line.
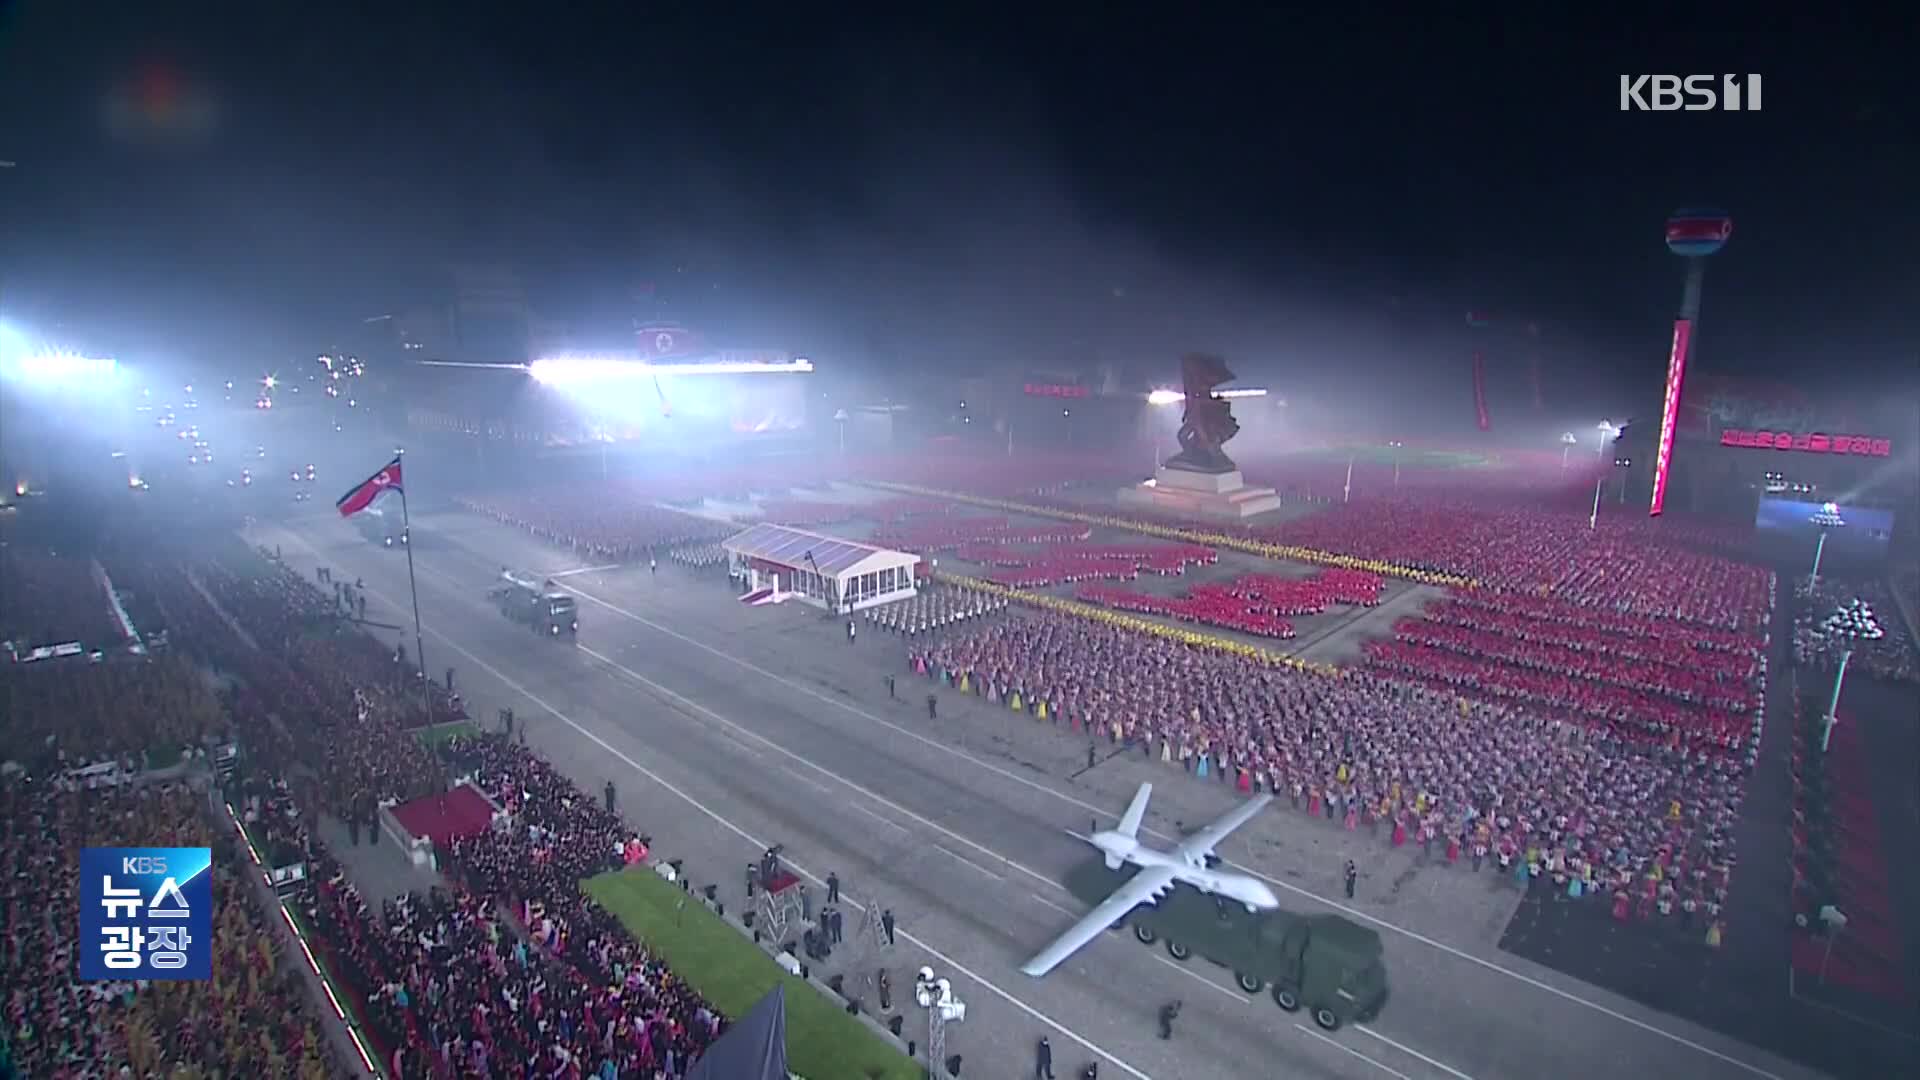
point(1304, 196)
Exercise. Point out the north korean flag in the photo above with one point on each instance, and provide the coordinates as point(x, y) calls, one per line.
point(365, 492)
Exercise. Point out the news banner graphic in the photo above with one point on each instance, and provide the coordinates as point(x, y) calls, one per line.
point(146, 913)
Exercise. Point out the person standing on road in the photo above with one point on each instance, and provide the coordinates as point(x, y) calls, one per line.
point(652, 566)
point(1168, 1014)
point(850, 631)
point(609, 794)
point(933, 707)
point(1043, 1060)
point(886, 923)
point(833, 887)
point(890, 693)
point(1092, 756)
point(1353, 877)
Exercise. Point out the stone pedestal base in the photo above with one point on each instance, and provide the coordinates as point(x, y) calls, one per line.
point(1208, 495)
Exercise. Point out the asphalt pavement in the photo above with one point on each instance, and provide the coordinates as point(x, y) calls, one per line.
point(727, 728)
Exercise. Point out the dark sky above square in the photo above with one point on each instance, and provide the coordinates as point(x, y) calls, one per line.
point(1133, 180)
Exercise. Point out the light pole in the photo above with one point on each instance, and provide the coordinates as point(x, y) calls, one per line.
point(1567, 442)
point(840, 420)
point(1396, 444)
point(1827, 519)
point(1607, 431)
point(1346, 491)
point(1851, 623)
point(1623, 464)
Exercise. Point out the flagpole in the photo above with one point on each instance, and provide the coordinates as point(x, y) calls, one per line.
point(419, 641)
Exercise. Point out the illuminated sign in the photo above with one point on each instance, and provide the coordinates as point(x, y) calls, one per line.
point(1669, 415)
point(1808, 442)
point(1057, 390)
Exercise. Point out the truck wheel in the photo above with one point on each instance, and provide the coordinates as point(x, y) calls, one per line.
point(1326, 1018)
point(1177, 950)
point(1249, 983)
point(1144, 934)
point(1285, 998)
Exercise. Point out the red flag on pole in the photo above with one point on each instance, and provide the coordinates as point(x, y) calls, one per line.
point(365, 492)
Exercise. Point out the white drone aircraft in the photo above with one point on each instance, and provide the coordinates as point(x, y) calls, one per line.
point(1187, 862)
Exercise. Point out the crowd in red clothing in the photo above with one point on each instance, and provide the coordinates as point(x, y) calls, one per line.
point(1483, 781)
point(1256, 604)
point(1892, 656)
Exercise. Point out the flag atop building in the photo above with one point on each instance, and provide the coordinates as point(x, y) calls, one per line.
point(365, 492)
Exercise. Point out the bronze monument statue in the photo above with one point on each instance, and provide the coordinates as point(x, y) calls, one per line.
point(1208, 421)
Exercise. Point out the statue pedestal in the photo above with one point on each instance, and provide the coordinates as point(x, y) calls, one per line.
point(1195, 494)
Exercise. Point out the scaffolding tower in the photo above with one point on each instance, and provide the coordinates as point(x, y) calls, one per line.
point(779, 911)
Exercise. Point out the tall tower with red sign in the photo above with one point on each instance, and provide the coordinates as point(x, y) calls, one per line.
point(1693, 235)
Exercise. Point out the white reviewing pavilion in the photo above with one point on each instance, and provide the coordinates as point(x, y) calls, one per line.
point(842, 576)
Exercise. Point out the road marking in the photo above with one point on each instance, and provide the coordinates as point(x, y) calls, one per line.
point(888, 822)
point(1047, 902)
point(583, 570)
point(1345, 1049)
point(1199, 978)
point(1349, 911)
point(756, 842)
point(1411, 1052)
point(876, 797)
point(954, 854)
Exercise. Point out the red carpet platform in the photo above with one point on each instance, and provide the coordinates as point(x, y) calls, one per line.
point(464, 811)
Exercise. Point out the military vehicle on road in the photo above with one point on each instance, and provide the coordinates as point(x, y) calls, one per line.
point(538, 604)
point(1327, 963)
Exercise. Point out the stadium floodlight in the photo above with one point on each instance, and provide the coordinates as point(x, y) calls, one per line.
point(1850, 624)
point(566, 370)
point(1173, 397)
point(60, 369)
point(269, 382)
point(1826, 520)
point(1567, 442)
point(1607, 433)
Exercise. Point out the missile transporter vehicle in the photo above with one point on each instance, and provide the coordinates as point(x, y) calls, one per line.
point(1324, 963)
point(536, 604)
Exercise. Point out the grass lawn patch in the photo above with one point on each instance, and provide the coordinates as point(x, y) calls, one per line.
point(823, 1041)
point(439, 733)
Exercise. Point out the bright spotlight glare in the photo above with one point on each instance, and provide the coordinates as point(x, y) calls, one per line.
point(1171, 397)
point(560, 371)
point(269, 382)
point(61, 369)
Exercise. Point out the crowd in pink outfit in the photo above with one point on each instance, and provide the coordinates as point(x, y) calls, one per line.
point(1584, 806)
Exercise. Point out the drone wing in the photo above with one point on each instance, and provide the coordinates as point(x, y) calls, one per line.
point(1145, 887)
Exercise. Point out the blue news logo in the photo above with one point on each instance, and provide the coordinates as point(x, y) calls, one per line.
point(146, 913)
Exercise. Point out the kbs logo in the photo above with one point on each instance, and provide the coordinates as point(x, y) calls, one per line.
point(146, 913)
point(1689, 93)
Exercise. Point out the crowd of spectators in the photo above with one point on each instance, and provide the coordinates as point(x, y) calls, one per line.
point(73, 712)
point(506, 971)
point(78, 735)
point(1891, 656)
point(51, 600)
point(1484, 782)
point(253, 1019)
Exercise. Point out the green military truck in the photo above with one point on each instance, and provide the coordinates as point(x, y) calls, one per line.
point(1325, 962)
point(537, 604)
